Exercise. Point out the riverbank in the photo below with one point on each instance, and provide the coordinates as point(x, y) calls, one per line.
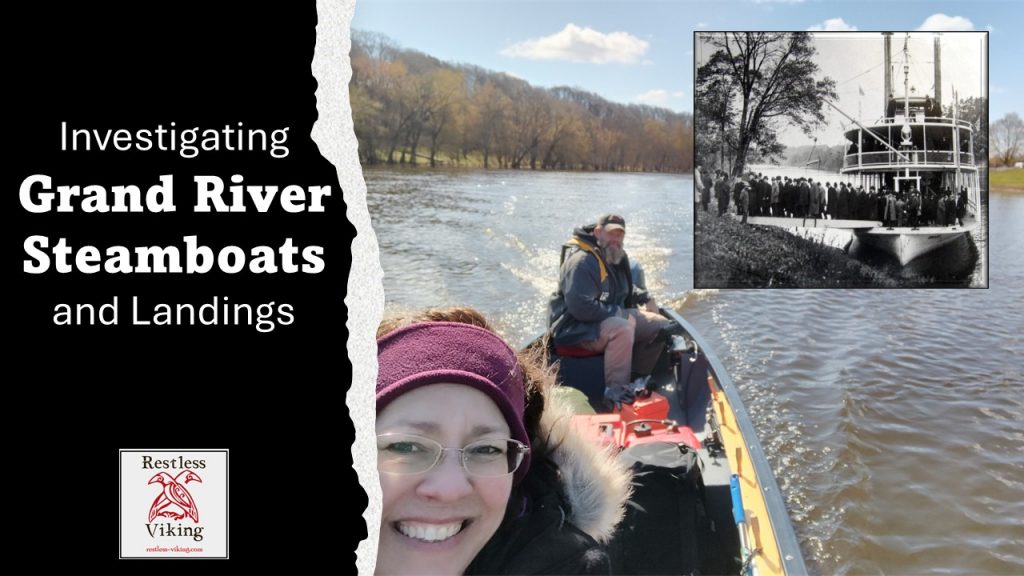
point(728, 254)
point(1007, 181)
point(471, 163)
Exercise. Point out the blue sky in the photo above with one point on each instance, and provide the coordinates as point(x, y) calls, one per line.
point(642, 51)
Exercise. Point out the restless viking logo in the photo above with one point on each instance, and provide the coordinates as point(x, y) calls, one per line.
point(175, 502)
point(174, 496)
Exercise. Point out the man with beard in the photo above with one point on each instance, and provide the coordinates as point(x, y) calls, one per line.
point(598, 309)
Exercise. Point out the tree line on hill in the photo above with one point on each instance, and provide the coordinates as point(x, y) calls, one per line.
point(411, 108)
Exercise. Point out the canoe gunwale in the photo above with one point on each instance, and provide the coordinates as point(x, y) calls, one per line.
point(789, 547)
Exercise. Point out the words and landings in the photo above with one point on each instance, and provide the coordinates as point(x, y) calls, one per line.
point(220, 311)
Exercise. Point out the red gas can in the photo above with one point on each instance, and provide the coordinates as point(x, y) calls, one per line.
point(642, 422)
point(653, 407)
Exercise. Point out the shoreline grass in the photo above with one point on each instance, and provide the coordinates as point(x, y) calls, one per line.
point(475, 161)
point(728, 254)
point(1011, 180)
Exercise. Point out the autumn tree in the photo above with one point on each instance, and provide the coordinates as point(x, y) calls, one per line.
point(489, 107)
point(447, 94)
point(405, 102)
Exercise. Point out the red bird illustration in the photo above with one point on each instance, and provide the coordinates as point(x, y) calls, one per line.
point(174, 494)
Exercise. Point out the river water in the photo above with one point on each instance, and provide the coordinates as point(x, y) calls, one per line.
point(893, 419)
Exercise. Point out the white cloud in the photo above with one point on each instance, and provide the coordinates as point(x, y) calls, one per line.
point(942, 23)
point(702, 25)
point(577, 44)
point(832, 25)
point(659, 97)
point(656, 97)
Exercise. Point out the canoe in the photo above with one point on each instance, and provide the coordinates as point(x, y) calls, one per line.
point(749, 529)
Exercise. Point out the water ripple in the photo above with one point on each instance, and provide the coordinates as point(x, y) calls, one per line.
point(891, 418)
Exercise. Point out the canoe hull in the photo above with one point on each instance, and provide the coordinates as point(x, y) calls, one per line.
point(705, 403)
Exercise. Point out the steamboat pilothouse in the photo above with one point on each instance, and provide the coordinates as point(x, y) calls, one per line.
point(925, 163)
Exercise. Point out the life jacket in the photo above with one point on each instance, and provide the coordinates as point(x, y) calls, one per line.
point(589, 249)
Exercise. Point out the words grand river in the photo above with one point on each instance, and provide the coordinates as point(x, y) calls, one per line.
point(893, 419)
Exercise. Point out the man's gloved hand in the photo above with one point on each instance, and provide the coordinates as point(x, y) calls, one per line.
point(639, 387)
point(641, 297)
point(616, 396)
point(673, 328)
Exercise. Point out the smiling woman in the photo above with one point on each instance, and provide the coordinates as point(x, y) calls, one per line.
point(480, 471)
point(437, 507)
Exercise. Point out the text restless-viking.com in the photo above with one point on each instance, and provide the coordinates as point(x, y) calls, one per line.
point(167, 529)
point(178, 463)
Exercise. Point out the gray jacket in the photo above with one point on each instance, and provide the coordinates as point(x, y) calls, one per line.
point(589, 291)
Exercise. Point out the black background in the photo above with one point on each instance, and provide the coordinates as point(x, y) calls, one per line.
point(77, 394)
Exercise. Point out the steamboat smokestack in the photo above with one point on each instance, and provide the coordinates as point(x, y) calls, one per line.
point(938, 71)
point(888, 70)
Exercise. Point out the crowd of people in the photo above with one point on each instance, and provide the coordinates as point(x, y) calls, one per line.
point(932, 208)
point(805, 197)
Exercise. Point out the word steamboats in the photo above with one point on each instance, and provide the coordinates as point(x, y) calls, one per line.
point(913, 147)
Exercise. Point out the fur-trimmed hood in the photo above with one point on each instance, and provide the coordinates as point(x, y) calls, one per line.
point(572, 502)
point(595, 482)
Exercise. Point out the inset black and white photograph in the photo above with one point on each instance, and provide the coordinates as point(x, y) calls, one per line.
point(840, 159)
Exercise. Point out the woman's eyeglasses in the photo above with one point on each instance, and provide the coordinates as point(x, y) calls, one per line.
point(408, 454)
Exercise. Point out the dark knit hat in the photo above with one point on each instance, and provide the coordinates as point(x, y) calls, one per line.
point(454, 353)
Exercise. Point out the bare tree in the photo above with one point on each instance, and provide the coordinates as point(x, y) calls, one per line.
point(1006, 139)
point(772, 76)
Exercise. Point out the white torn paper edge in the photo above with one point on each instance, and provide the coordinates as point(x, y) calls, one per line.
point(334, 134)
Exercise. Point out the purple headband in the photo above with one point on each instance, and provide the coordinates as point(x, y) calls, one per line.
point(456, 353)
